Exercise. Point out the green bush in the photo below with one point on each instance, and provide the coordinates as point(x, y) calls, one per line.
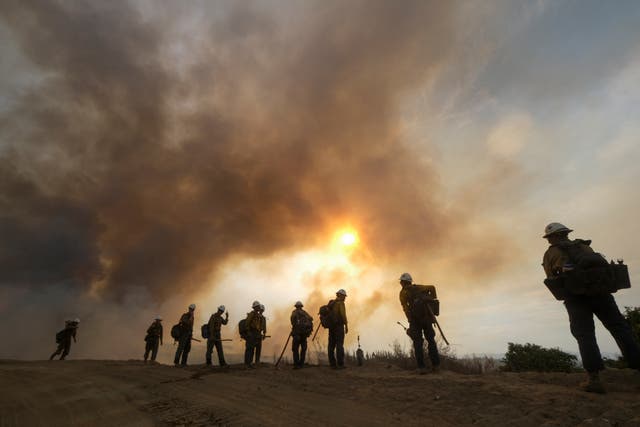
point(632, 314)
point(532, 357)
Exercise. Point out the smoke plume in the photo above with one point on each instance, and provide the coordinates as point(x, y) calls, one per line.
point(145, 156)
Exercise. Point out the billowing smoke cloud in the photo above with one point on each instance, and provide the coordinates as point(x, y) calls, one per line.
point(145, 155)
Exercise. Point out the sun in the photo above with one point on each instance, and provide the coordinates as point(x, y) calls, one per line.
point(348, 238)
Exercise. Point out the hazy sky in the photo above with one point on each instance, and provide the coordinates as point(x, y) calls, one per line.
point(154, 154)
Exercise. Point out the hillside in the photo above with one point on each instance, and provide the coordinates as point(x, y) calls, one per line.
point(129, 393)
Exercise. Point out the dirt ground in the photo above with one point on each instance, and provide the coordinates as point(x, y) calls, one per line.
point(130, 393)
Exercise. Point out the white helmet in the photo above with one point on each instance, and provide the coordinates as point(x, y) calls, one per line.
point(341, 292)
point(406, 277)
point(158, 317)
point(221, 308)
point(555, 227)
point(76, 320)
point(256, 304)
point(192, 306)
point(298, 304)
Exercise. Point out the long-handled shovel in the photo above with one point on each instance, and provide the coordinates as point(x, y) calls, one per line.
point(316, 333)
point(283, 350)
point(437, 324)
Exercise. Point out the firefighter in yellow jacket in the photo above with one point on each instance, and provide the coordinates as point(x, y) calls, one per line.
point(581, 308)
point(256, 331)
point(337, 331)
point(420, 322)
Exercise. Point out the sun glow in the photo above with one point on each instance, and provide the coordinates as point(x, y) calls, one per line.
point(346, 238)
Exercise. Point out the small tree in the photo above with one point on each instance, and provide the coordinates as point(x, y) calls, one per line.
point(532, 357)
point(632, 314)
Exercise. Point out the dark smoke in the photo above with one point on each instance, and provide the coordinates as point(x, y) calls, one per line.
point(146, 155)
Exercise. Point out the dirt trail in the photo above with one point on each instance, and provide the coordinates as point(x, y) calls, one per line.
point(113, 393)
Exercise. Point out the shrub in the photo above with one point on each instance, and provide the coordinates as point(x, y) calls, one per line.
point(532, 357)
point(403, 358)
point(632, 314)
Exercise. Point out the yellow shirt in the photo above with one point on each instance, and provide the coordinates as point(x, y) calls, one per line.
point(340, 311)
point(254, 321)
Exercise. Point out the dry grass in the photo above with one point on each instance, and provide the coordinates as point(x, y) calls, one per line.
point(403, 357)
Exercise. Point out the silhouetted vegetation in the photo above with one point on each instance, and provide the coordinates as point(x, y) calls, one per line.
point(532, 357)
point(632, 314)
point(403, 357)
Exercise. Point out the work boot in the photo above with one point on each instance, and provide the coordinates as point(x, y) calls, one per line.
point(593, 384)
point(435, 369)
point(422, 371)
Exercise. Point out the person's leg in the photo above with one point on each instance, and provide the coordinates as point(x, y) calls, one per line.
point(331, 348)
point(207, 355)
point(154, 349)
point(58, 351)
point(179, 350)
point(220, 352)
point(258, 349)
point(295, 349)
point(147, 349)
point(583, 329)
point(185, 352)
point(432, 347)
point(340, 346)
point(248, 351)
point(303, 351)
point(415, 332)
point(607, 311)
point(66, 349)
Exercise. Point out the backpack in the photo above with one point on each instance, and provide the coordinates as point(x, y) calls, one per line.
point(205, 331)
point(592, 274)
point(303, 325)
point(423, 305)
point(60, 336)
point(243, 328)
point(327, 317)
point(176, 332)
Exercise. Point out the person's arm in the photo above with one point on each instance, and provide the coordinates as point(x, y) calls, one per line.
point(226, 319)
point(404, 302)
point(343, 314)
point(553, 261)
point(74, 335)
point(293, 318)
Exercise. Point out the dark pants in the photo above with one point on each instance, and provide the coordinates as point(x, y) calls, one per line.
point(258, 349)
point(336, 344)
point(63, 347)
point(151, 347)
point(184, 347)
point(253, 343)
point(416, 330)
point(581, 310)
point(299, 348)
point(215, 342)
